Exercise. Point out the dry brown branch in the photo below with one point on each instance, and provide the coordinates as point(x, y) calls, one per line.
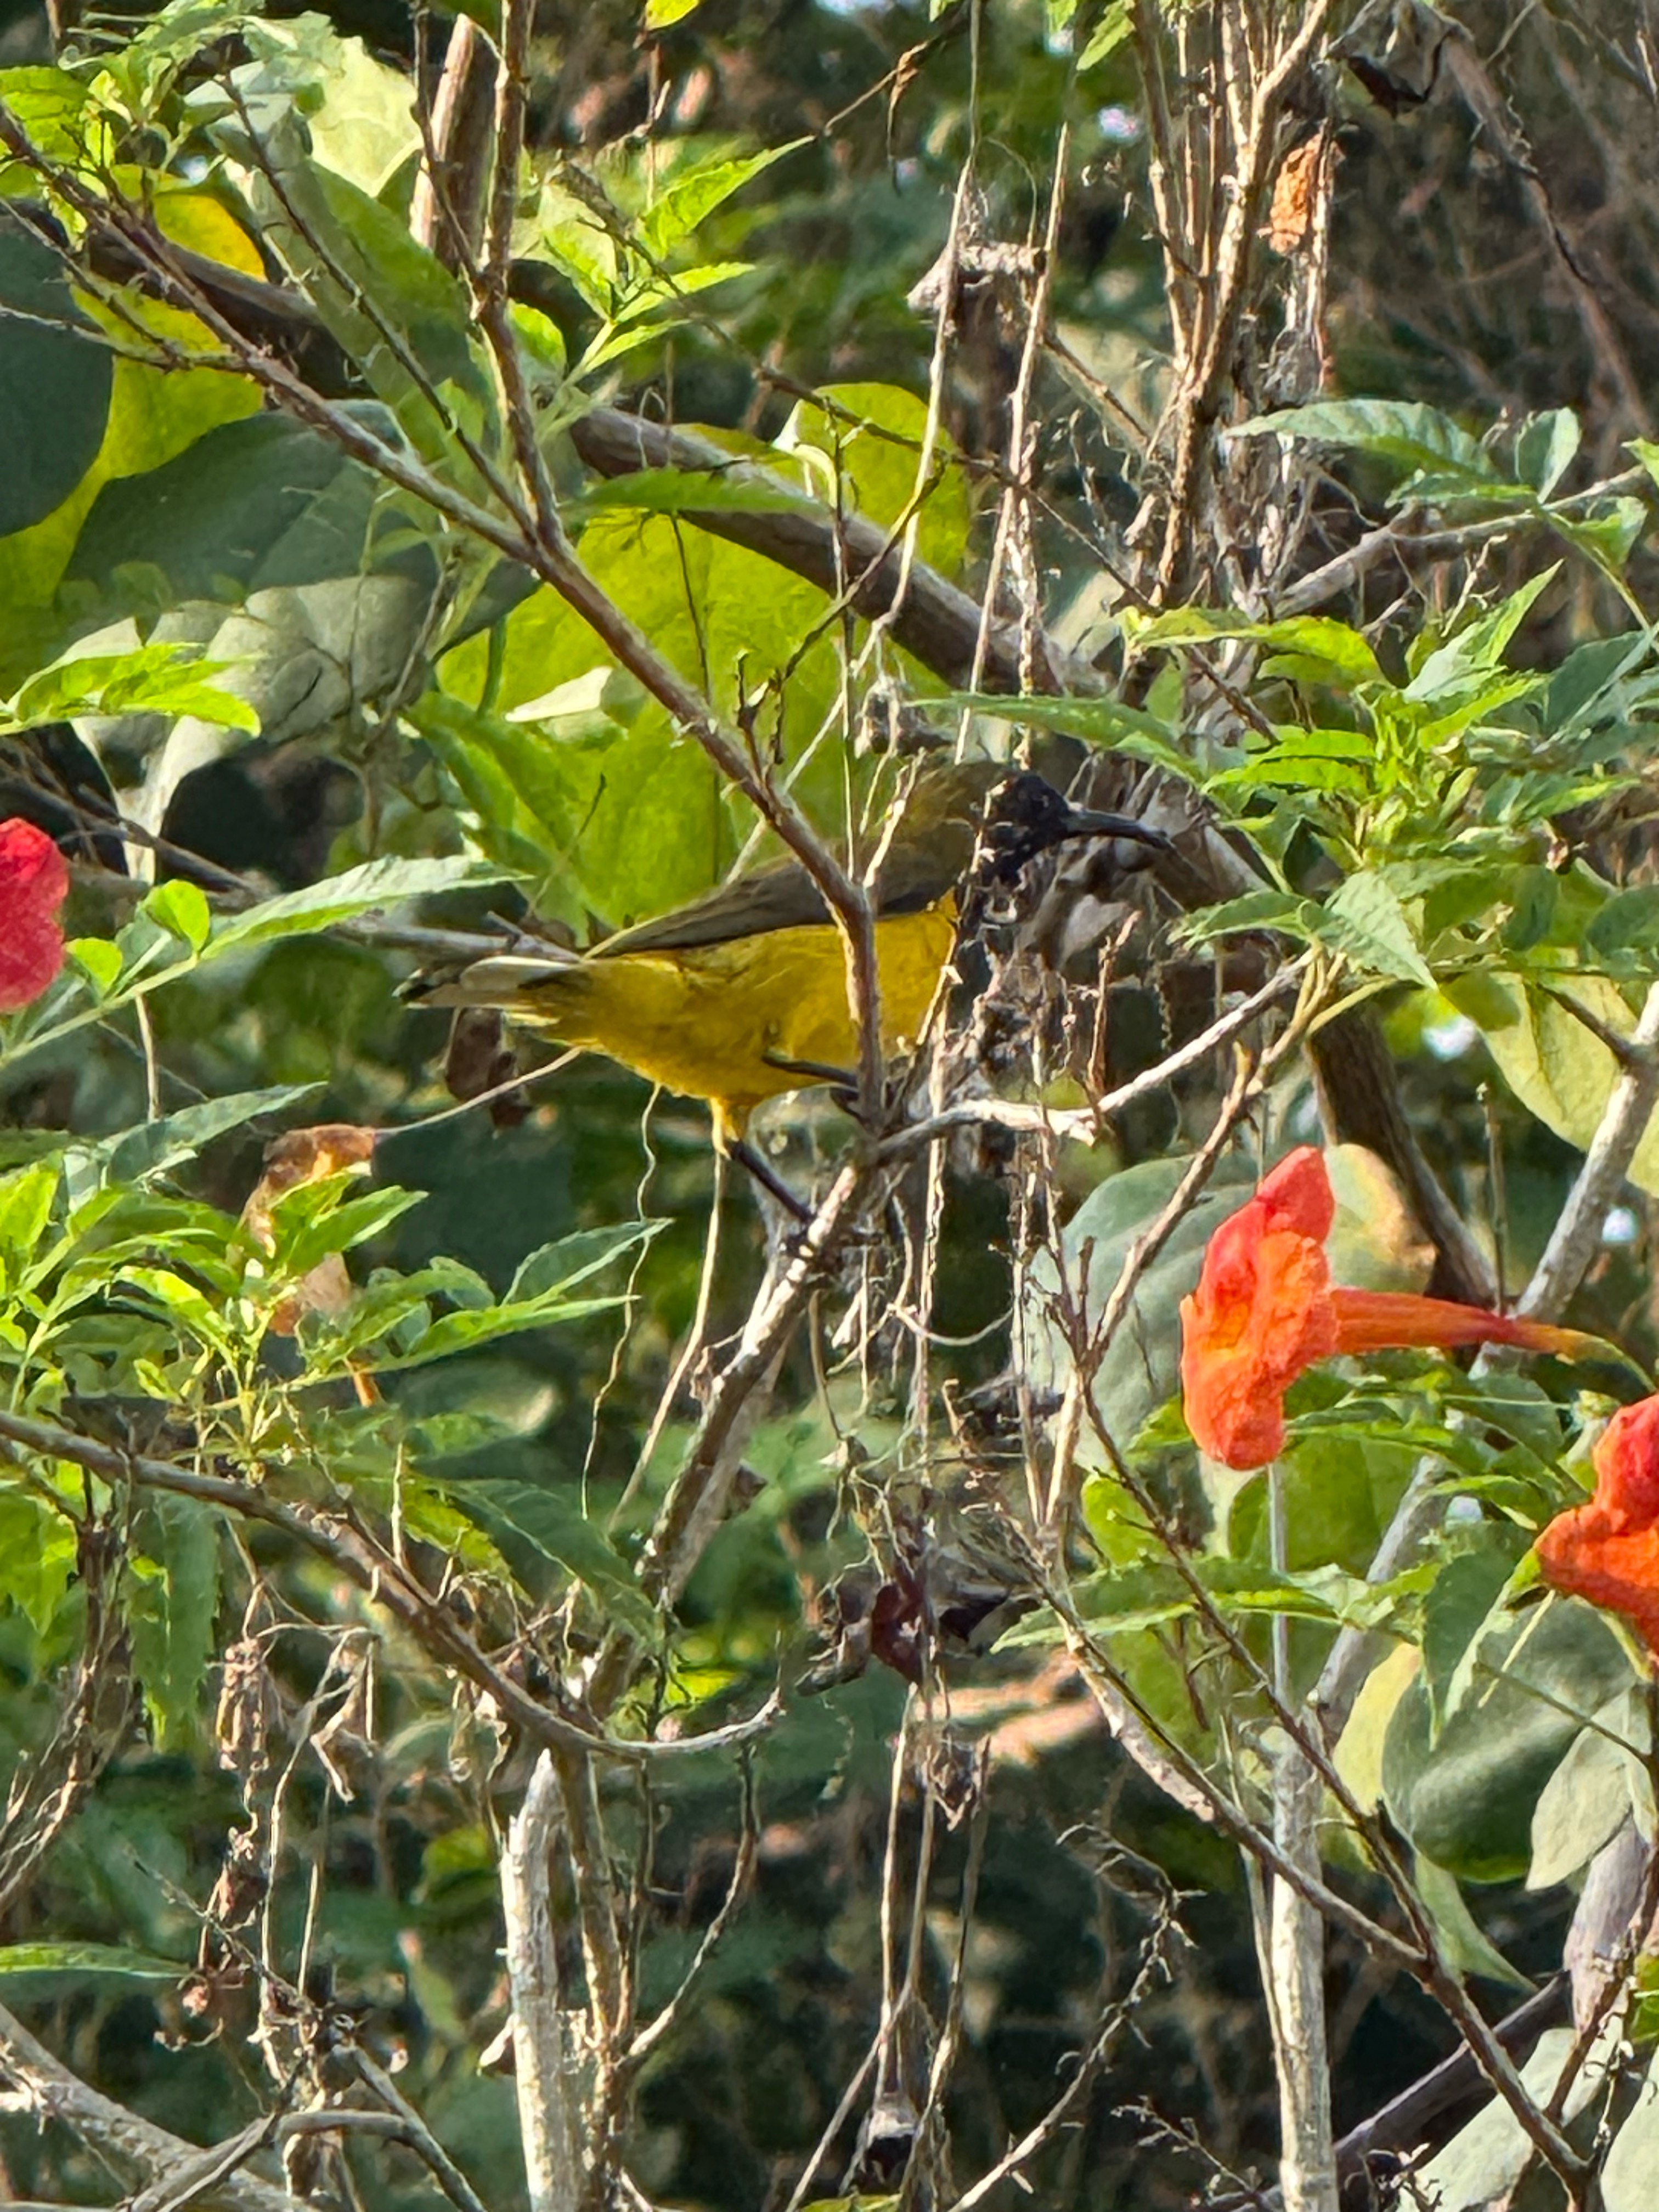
point(446, 212)
point(372, 1566)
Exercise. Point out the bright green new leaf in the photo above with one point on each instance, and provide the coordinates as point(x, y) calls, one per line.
point(181, 909)
point(99, 958)
point(37, 1549)
point(26, 1197)
point(1116, 24)
point(694, 196)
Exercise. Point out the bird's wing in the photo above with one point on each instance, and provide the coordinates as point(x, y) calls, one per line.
point(933, 848)
point(781, 896)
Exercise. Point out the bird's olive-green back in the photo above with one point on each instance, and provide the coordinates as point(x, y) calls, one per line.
point(929, 852)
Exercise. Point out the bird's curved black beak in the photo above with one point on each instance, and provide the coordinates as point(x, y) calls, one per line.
point(1085, 822)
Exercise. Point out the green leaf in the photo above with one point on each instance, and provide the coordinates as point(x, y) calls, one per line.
point(365, 129)
point(1306, 760)
point(57, 1962)
point(176, 1597)
point(659, 13)
point(1559, 1071)
point(56, 377)
point(1365, 917)
point(37, 1557)
point(1313, 648)
point(253, 505)
point(1589, 1796)
point(863, 449)
point(26, 1202)
point(1463, 1942)
point(1647, 452)
point(553, 1523)
point(1108, 722)
point(154, 1148)
point(1470, 656)
point(1457, 1610)
point(1252, 910)
point(1607, 531)
point(1115, 25)
point(1482, 2163)
point(428, 375)
point(51, 104)
point(1405, 431)
point(155, 679)
point(542, 1294)
point(316, 1220)
point(181, 909)
point(553, 1269)
point(1626, 2180)
point(1545, 447)
point(696, 193)
point(99, 959)
point(1630, 920)
point(1466, 1799)
point(375, 885)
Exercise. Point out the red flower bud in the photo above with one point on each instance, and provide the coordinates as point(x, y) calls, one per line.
point(33, 884)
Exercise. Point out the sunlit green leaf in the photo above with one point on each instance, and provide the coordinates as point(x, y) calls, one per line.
point(374, 886)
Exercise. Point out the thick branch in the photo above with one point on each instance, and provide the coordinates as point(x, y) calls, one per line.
point(548, 2070)
point(134, 2143)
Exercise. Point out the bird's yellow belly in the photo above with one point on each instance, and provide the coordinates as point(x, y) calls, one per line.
point(717, 1022)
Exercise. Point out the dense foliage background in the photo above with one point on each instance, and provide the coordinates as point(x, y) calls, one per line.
point(298, 669)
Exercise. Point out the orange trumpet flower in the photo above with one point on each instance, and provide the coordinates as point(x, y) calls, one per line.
point(1265, 1309)
point(1608, 1549)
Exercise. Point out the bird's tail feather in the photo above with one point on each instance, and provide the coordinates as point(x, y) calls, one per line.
point(545, 988)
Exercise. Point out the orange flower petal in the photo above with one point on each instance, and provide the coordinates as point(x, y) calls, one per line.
point(1583, 1553)
point(1260, 1314)
point(1265, 1309)
point(1608, 1551)
point(1626, 1463)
